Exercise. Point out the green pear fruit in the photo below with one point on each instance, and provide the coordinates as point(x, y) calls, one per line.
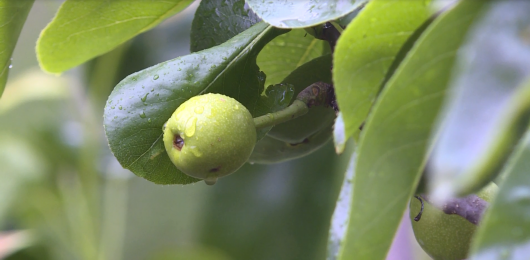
point(445, 236)
point(210, 136)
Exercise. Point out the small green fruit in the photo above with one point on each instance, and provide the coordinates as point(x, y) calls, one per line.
point(210, 136)
point(445, 236)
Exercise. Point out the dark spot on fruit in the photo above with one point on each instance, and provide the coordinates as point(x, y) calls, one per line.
point(216, 169)
point(178, 142)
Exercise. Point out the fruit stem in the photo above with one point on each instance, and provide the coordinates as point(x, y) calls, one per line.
point(317, 94)
point(296, 109)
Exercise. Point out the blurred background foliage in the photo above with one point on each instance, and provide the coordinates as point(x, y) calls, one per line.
point(64, 195)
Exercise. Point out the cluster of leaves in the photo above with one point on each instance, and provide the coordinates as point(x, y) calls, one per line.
point(443, 96)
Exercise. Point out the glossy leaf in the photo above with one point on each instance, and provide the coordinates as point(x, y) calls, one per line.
point(276, 98)
point(488, 109)
point(216, 21)
point(392, 149)
point(504, 232)
point(341, 215)
point(82, 30)
point(299, 14)
point(287, 52)
point(140, 104)
point(297, 130)
point(270, 150)
point(13, 14)
point(366, 51)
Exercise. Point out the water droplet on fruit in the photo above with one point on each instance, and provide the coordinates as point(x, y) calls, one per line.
point(203, 99)
point(120, 107)
point(190, 127)
point(155, 77)
point(210, 180)
point(149, 120)
point(195, 151)
point(142, 115)
point(112, 107)
point(236, 107)
point(199, 109)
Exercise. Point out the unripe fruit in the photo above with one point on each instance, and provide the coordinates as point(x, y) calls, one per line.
point(210, 136)
point(445, 236)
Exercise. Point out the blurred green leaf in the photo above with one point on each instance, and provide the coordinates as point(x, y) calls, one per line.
point(299, 14)
point(35, 107)
point(199, 253)
point(504, 232)
point(287, 52)
point(488, 109)
point(394, 141)
point(366, 51)
point(82, 30)
point(140, 104)
point(13, 14)
point(278, 212)
point(341, 215)
point(21, 164)
point(217, 21)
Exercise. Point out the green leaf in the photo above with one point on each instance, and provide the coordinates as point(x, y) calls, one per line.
point(341, 214)
point(504, 232)
point(270, 150)
point(276, 98)
point(299, 14)
point(287, 52)
point(21, 164)
point(366, 51)
point(489, 107)
point(306, 134)
point(13, 14)
point(297, 130)
point(140, 104)
point(394, 141)
point(82, 30)
point(216, 21)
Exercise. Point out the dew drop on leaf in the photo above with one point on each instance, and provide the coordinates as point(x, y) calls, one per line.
point(145, 97)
